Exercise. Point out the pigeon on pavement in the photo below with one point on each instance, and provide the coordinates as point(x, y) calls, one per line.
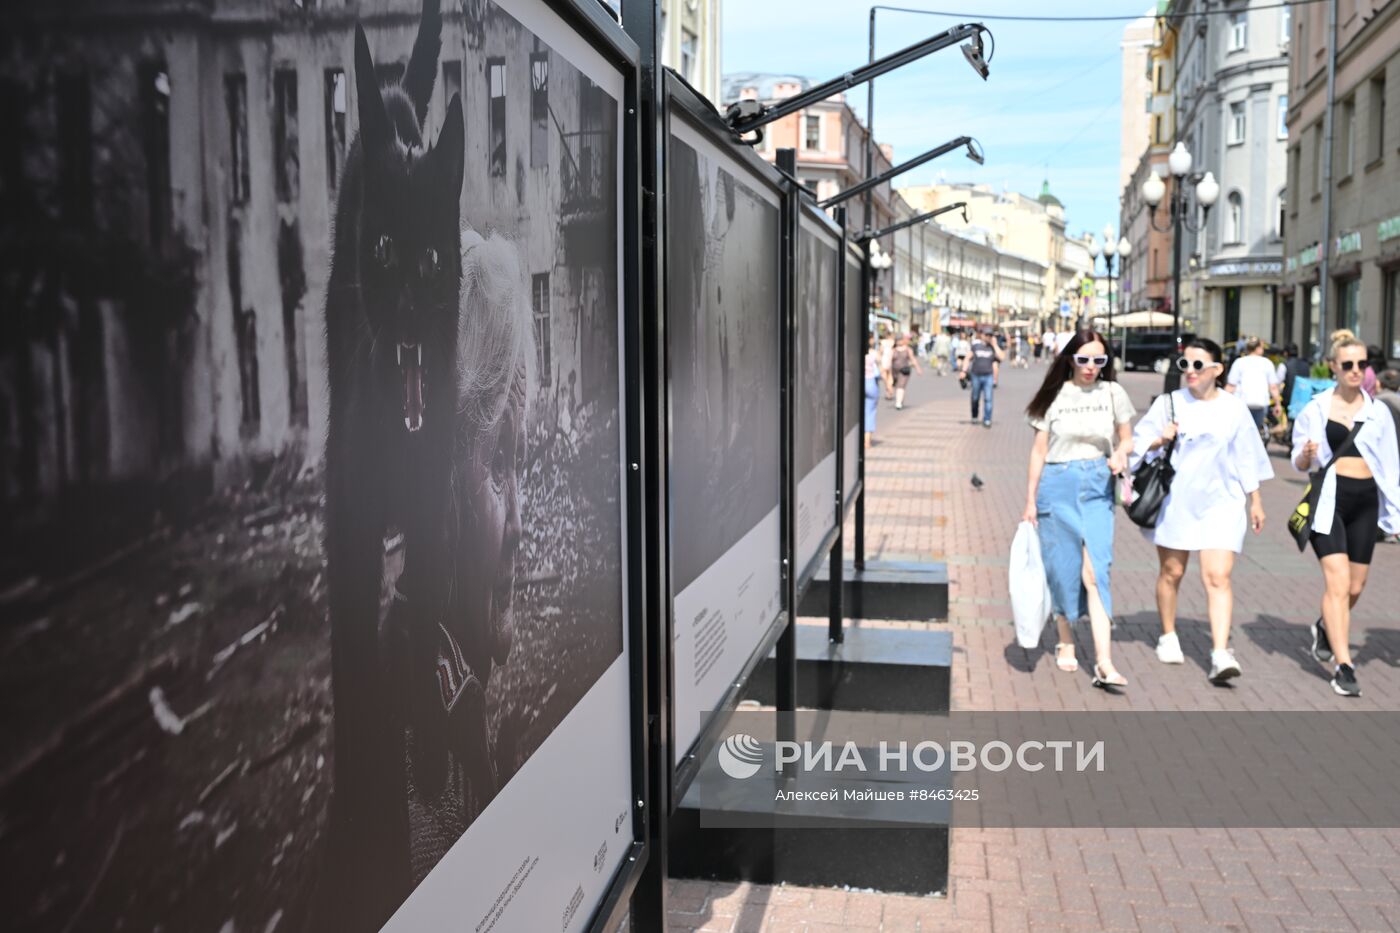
point(977, 482)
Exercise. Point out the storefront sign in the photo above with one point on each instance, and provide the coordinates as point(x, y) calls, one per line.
point(1349, 243)
point(1248, 268)
point(1388, 229)
point(1305, 258)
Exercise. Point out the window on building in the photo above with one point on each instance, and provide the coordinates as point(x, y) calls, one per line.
point(1295, 172)
point(1317, 159)
point(1159, 129)
point(1348, 301)
point(286, 158)
point(1391, 297)
point(688, 54)
point(1282, 116)
point(539, 109)
point(1375, 126)
point(1237, 125)
point(236, 98)
point(539, 304)
point(1280, 204)
point(496, 87)
point(155, 145)
point(1239, 31)
point(334, 110)
point(811, 131)
point(1285, 26)
point(73, 99)
point(1348, 136)
point(1234, 218)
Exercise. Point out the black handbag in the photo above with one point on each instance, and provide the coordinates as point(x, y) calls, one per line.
point(1300, 522)
point(1152, 481)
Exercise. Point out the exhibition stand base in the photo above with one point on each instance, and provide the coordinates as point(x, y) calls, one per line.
point(880, 845)
point(903, 591)
point(872, 670)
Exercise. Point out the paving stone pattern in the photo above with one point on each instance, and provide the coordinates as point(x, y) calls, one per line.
point(922, 505)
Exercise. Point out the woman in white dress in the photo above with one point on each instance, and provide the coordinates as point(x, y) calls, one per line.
point(1219, 462)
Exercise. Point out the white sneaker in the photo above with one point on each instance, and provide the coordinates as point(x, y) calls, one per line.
point(1169, 649)
point(1223, 666)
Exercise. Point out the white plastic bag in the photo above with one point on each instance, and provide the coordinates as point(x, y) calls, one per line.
point(1030, 591)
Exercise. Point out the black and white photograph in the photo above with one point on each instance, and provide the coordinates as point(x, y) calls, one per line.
point(310, 423)
point(723, 308)
point(818, 302)
point(854, 355)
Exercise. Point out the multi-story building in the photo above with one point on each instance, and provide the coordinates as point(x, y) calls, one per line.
point(1136, 90)
point(1017, 224)
point(691, 43)
point(1230, 102)
point(1360, 288)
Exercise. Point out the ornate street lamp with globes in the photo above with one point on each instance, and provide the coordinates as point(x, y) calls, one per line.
point(1207, 192)
point(1111, 247)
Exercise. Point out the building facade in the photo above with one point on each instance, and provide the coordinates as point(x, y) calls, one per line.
point(1361, 288)
point(1136, 89)
point(1230, 105)
point(691, 43)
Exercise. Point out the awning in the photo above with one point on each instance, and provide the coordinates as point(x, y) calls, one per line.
point(1158, 319)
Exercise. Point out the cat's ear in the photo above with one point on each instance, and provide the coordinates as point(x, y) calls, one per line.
point(450, 152)
point(374, 120)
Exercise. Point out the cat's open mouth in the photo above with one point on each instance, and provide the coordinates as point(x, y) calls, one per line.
point(410, 356)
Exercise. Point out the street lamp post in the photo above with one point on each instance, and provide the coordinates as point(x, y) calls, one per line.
point(1111, 247)
point(1207, 191)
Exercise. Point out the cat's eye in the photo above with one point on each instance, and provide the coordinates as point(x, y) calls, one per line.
point(384, 251)
point(431, 263)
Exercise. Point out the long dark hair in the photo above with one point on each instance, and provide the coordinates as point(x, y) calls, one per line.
point(1216, 353)
point(1062, 371)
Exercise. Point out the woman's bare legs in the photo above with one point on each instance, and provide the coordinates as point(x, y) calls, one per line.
point(1216, 566)
point(1099, 623)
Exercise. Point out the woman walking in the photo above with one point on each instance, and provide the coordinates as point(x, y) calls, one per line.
point(903, 364)
point(872, 387)
point(1083, 434)
point(1220, 462)
point(1352, 437)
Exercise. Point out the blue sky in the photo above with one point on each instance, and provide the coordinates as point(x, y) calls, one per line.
point(1050, 109)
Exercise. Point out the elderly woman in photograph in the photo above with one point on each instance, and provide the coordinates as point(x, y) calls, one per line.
point(452, 759)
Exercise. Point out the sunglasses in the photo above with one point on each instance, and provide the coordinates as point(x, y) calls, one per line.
point(1347, 366)
point(1185, 365)
point(1082, 359)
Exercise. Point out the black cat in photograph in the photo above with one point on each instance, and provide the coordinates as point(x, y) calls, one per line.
point(391, 334)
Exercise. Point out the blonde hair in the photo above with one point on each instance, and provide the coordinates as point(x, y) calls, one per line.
point(1252, 344)
point(1344, 333)
point(1344, 343)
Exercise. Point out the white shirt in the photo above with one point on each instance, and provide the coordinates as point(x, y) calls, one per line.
point(1219, 460)
point(1253, 377)
point(1062, 341)
point(1375, 442)
point(1047, 339)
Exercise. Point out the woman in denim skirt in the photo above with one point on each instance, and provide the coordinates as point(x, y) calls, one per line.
point(1083, 436)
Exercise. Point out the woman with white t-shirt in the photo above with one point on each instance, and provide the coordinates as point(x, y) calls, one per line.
point(1220, 462)
point(1083, 434)
point(1255, 380)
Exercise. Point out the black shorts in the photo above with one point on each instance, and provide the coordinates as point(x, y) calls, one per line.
point(1355, 521)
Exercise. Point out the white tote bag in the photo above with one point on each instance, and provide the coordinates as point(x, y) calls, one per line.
point(1030, 591)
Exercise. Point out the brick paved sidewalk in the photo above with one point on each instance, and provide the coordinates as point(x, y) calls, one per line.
point(920, 504)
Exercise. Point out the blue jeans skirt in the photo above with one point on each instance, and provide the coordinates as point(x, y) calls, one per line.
point(1074, 508)
point(872, 401)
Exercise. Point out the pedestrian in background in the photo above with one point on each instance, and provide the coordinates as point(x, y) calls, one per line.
point(1375, 362)
point(903, 364)
point(1047, 345)
point(1083, 435)
point(1254, 379)
point(872, 388)
point(1349, 432)
point(959, 350)
point(1389, 395)
point(983, 366)
point(1020, 358)
point(1220, 462)
point(942, 347)
point(886, 361)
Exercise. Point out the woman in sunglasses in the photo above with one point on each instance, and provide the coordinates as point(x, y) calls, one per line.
point(1220, 462)
point(1345, 428)
point(1083, 434)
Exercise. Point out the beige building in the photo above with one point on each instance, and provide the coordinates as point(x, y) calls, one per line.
point(1136, 119)
point(691, 43)
point(1016, 224)
point(1361, 287)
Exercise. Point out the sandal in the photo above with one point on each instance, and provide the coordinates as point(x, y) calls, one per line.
point(1100, 680)
point(1067, 664)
